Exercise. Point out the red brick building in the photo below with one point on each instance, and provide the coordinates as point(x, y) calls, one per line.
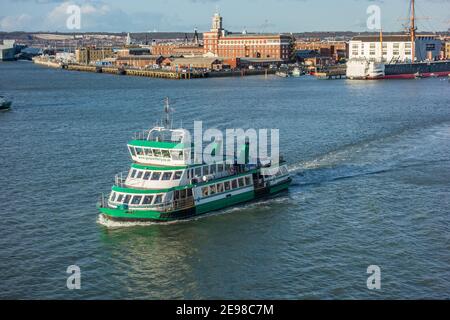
point(177, 49)
point(223, 44)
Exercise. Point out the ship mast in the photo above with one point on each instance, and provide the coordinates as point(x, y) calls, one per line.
point(381, 44)
point(412, 30)
point(167, 120)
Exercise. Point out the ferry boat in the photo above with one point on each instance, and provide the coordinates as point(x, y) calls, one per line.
point(162, 185)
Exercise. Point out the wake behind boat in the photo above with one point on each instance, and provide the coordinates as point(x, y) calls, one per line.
point(162, 185)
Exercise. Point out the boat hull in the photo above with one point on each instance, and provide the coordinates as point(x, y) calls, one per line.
point(6, 105)
point(120, 214)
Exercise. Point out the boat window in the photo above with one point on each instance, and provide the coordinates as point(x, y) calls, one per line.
point(133, 153)
point(165, 153)
point(189, 192)
point(220, 187)
point(198, 171)
point(205, 170)
point(139, 175)
point(284, 170)
point(147, 200)
point(156, 175)
point(212, 189)
point(148, 152)
point(241, 182)
point(205, 191)
point(133, 173)
point(147, 175)
point(139, 151)
point(220, 167)
point(127, 199)
point(182, 194)
point(157, 152)
point(234, 184)
point(227, 185)
point(227, 166)
point(176, 195)
point(166, 176)
point(113, 196)
point(119, 198)
point(158, 199)
point(188, 174)
point(212, 168)
point(176, 154)
point(248, 181)
point(177, 175)
point(136, 200)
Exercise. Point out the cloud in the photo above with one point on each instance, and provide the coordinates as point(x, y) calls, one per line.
point(15, 23)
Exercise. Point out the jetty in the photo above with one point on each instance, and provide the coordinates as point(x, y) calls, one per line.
point(331, 72)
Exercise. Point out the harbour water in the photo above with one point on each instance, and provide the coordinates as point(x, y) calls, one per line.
point(371, 169)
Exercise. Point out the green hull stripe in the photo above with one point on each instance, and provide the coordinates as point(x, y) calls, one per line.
point(280, 187)
point(226, 202)
point(120, 213)
point(157, 144)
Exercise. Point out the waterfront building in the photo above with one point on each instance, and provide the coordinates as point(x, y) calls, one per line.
point(7, 50)
point(204, 63)
point(139, 61)
point(447, 50)
point(222, 43)
point(177, 49)
point(86, 55)
point(394, 48)
point(124, 52)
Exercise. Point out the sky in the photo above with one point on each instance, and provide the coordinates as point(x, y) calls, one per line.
point(238, 15)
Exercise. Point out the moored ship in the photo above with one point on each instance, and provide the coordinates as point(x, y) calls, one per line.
point(397, 57)
point(162, 185)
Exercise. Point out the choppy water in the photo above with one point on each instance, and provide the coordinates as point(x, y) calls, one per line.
point(371, 168)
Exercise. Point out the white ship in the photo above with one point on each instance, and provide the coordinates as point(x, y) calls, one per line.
point(360, 68)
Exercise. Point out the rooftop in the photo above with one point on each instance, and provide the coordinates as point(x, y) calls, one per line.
point(387, 38)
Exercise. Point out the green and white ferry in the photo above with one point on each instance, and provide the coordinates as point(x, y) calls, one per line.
point(162, 185)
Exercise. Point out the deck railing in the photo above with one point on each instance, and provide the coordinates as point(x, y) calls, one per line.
point(164, 206)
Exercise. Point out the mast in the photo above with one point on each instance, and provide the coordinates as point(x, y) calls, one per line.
point(167, 120)
point(381, 44)
point(412, 30)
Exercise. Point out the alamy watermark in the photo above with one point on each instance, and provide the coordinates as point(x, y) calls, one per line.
point(73, 21)
point(233, 146)
point(374, 17)
point(74, 280)
point(374, 280)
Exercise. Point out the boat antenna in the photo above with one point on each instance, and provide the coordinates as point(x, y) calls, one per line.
point(167, 119)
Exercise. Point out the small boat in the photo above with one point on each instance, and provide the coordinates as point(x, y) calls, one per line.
point(4, 104)
point(282, 74)
point(418, 75)
point(296, 72)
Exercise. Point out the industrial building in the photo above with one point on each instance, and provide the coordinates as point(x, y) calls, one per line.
point(7, 50)
point(86, 55)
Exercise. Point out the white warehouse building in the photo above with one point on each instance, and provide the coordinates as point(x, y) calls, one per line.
point(394, 48)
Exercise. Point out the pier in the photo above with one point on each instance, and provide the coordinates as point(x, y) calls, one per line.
point(332, 72)
point(162, 74)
